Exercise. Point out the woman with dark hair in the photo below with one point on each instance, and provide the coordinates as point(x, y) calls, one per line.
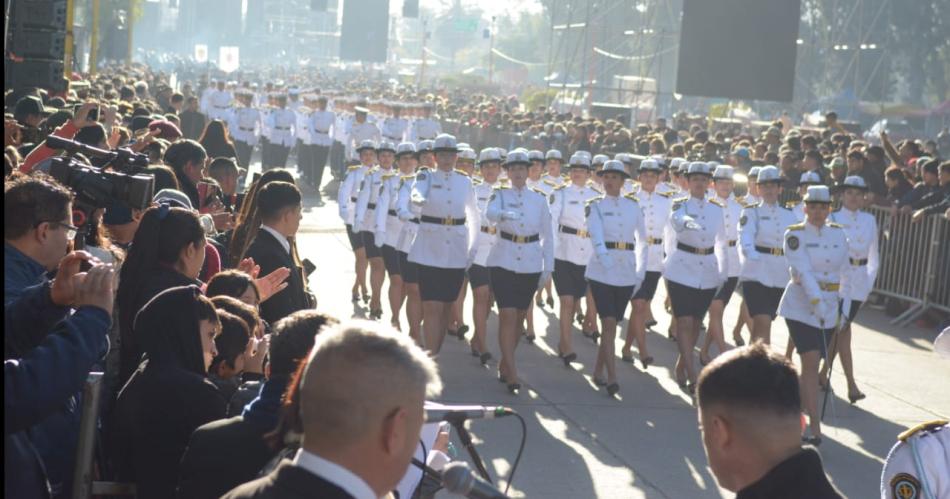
point(164, 177)
point(187, 160)
point(93, 135)
point(169, 394)
point(895, 178)
point(168, 250)
point(216, 141)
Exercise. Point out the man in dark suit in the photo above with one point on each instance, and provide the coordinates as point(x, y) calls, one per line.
point(361, 405)
point(279, 204)
point(228, 452)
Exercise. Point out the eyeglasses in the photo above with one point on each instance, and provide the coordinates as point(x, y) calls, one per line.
point(71, 230)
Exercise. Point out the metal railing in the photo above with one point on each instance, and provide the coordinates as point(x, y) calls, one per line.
point(915, 262)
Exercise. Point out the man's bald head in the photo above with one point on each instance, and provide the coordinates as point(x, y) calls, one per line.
point(359, 372)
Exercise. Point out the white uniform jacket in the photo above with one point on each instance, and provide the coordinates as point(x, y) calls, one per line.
point(524, 245)
point(763, 226)
point(617, 232)
point(861, 229)
point(445, 198)
point(697, 224)
point(569, 223)
point(818, 260)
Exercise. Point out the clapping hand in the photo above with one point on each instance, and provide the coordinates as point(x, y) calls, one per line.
point(97, 288)
point(65, 285)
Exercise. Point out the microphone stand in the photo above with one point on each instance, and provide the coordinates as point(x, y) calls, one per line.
point(466, 438)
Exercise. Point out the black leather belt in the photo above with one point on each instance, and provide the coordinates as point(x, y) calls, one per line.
point(770, 251)
point(371, 206)
point(694, 250)
point(392, 213)
point(246, 129)
point(414, 220)
point(281, 128)
point(353, 199)
point(519, 239)
point(571, 230)
point(858, 261)
point(620, 246)
point(654, 240)
point(442, 221)
point(733, 242)
point(487, 229)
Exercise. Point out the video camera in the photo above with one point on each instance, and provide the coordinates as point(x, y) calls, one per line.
point(100, 188)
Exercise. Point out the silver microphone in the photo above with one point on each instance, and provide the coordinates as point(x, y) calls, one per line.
point(457, 478)
point(455, 413)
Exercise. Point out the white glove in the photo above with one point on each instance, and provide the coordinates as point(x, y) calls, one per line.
point(404, 215)
point(605, 259)
point(378, 239)
point(821, 311)
point(544, 279)
point(511, 215)
point(752, 256)
point(418, 199)
point(691, 224)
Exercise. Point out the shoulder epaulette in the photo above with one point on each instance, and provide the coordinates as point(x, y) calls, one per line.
point(407, 177)
point(742, 203)
point(550, 182)
point(835, 225)
point(503, 181)
point(665, 194)
point(354, 167)
point(476, 181)
point(594, 200)
point(562, 186)
point(717, 202)
point(595, 189)
point(501, 186)
point(539, 191)
point(798, 226)
point(388, 175)
point(922, 427)
point(461, 172)
point(631, 197)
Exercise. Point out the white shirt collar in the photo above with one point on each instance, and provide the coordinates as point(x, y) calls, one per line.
point(335, 474)
point(284, 243)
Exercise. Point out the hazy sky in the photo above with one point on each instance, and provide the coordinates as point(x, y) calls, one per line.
point(496, 7)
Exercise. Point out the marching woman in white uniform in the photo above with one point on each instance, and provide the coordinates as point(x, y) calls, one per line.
point(722, 178)
point(572, 250)
point(863, 257)
point(346, 200)
point(619, 241)
point(409, 213)
point(388, 225)
point(694, 269)
point(447, 227)
point(365, 221)
point(521, 260)
point(817, 254)
point(656, 206)
point(764, 276)
point(489, 164)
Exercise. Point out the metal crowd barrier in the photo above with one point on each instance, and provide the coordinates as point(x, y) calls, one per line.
point(915, 262)
point(84, 485)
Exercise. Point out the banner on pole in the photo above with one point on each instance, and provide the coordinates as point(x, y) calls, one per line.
point(201, 53)
point(228, 59)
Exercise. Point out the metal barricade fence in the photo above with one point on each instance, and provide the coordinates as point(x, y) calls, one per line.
point(913, 261)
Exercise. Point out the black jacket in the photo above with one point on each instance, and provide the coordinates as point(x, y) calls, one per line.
point(799, 476)
point(288, 482)
point(167, 397)
point(270, 255)
point(222, 455)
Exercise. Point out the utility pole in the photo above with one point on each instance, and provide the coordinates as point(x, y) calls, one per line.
point(425, 36)
point(491, 51)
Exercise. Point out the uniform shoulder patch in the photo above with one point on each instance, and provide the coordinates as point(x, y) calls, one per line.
point(798, 226)
point(922, 427)
point(793, 242)
point(905, 486)
point(421, 176)
point(717, 202)
point(589, 204)
point(632, 197)
point(743, 220)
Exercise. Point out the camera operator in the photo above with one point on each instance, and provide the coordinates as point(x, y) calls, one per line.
point(38, 383)
point(68, 130)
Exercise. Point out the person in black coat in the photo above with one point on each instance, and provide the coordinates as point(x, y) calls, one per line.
point(361, 400)
point(169, 395)
point(226, 453)
point(279, 205)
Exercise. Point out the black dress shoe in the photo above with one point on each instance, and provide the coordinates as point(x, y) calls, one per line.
point(567, 359)
point(854, 397)
point(646, 361)
point(599, 382)
point(529, 339)
point(460, 332)
point(613, 389)
point(550, 302)
point(595, 335)
point(627, 358)
point(484, 358)
point(356, 297)
point(650, 323)
point(514, 388)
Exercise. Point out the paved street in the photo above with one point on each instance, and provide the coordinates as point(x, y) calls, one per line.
point(580, 443)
